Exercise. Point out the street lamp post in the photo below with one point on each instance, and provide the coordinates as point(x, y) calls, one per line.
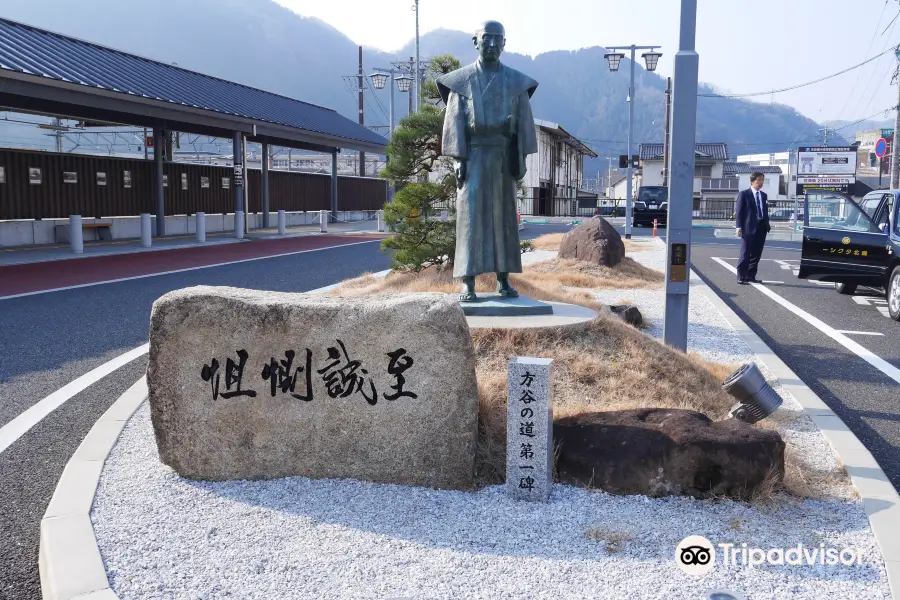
point(418, 100)
point(681, 180)
point(379, 79)
point(614, 57)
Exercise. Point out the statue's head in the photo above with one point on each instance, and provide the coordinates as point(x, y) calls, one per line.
point(490, 39)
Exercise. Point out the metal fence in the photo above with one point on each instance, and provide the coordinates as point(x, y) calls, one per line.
point(723, 210)
point(44, 185)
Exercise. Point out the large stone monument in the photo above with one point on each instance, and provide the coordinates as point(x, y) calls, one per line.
point(255, 385)
point(488, 130)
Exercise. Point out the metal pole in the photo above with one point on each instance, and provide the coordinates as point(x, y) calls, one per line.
point(362, 119)
point(145, 143)
point(265, 185)
point(416, 73)
point(246, 183)
point(895, 151)
point(238, 151)
point(668, 125)
point(628, 184)
point(411, 74)
point(681, 184)
point(158, 144)
point(391, 108)
point(334, 185)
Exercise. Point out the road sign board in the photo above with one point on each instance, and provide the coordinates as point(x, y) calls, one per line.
point(880, 147)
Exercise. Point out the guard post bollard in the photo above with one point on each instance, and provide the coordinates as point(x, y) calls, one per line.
point(200, 226)
point(239, 224)
point(146, 230)
point(379, 215)
point(282, 222)
point(76, 235)
point(323, 221)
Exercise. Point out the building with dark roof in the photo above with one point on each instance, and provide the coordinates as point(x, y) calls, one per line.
point(47, 73)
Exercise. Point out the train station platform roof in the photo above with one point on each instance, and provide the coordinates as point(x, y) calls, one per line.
point(48, 73)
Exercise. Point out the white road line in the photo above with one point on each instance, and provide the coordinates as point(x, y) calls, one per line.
point(766, 281)
point(221, 264)
point(19, 426)
point(874, 360)
point(859, 332)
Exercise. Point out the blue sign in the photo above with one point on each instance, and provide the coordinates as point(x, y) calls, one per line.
point(880, 147)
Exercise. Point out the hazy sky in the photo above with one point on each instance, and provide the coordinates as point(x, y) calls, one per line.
point(744, 46)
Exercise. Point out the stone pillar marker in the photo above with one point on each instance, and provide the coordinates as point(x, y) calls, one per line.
point(529, 428)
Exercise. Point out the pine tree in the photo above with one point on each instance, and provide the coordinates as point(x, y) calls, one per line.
point(414, 153)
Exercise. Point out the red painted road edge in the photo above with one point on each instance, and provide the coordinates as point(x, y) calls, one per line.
point(35, 277)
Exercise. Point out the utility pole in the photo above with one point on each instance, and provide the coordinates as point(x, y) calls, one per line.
point(824, 131)
point(362, 119)
point(681, 184)
point(416, 73)
point(668, 124)
point(895, 150)
point(145, 143)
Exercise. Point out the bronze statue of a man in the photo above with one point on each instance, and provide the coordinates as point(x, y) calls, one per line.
point(488, 130)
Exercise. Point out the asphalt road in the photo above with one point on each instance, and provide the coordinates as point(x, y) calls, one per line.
point(48, 340)
point(866, 399)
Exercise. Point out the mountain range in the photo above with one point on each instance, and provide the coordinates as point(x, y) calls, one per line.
point(262, 44)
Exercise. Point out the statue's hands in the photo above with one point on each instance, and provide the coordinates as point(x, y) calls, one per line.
point(460, 168)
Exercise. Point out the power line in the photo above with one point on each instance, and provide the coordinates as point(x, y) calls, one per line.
point(869, 49)
point(795, 87)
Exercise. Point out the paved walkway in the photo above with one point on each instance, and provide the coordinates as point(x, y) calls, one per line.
point(54, 274)
point(22, 255)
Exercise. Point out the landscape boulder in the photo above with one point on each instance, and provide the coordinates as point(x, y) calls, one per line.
point(594, 241)
point(661, 452)
point(629, 314)
point(249, 384)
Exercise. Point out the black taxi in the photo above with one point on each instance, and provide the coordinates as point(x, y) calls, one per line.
point(853, 242)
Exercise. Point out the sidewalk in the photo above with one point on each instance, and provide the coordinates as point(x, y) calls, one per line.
point(44, 253)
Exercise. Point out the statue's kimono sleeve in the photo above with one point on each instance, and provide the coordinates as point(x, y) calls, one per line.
point(526, 131)
point(453, 141)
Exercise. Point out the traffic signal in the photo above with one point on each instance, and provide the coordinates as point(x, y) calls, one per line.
point(623, 161)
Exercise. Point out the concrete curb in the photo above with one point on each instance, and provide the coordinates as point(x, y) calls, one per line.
point(71, 566)
point(880, 500)
point(69, 559)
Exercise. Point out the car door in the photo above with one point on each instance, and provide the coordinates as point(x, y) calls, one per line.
point(841, 242)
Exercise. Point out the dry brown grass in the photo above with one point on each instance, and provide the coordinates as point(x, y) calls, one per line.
point(542, 280)
point(580, 274)
point(548, 241)
point(551, 241)
point(607, 365)
point(613, 538)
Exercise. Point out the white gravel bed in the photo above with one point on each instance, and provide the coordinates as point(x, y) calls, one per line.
point(162, 536)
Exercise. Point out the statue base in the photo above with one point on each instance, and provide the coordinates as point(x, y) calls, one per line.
point(495, 305)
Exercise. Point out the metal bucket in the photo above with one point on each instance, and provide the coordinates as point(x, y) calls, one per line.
point(756, 399)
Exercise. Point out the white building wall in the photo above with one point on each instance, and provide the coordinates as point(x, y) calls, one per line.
point(770, 187)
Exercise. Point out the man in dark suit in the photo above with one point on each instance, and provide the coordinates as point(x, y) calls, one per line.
point(752, 223)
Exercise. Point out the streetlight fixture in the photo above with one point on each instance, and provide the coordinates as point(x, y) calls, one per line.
point(614, 57)
point(404, 82)
point(651, 59)
point(378, 80)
